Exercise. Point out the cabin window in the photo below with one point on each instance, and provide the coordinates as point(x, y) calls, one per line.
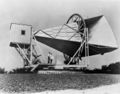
point(22, 32)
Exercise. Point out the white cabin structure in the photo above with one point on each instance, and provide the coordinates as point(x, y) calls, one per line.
point(20, 34)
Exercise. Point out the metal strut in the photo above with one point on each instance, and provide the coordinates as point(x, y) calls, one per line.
point(23, 53)
point(76, 52)
point(82, 31)
point(86, 45)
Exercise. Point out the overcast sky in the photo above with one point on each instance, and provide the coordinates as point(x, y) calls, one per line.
point(48, 13)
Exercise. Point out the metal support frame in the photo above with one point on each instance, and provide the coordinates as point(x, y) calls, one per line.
point(59, 30)
point(84, 35)
point(30, 49)
point(27, 56)
point(73, 29)
point(27, 53)
point(23, 54)
point(86, 46)
point(76, 52)
point(43, 32)
point(83, 45)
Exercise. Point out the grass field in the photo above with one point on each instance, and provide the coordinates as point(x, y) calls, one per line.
point(54, 81)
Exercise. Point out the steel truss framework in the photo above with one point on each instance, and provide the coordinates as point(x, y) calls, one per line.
point(30, 56)
point(82, 30)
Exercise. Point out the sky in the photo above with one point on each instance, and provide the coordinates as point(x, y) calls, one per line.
point(48, 13)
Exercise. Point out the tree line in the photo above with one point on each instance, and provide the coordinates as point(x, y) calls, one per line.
point(113, 68)
point(2, 70)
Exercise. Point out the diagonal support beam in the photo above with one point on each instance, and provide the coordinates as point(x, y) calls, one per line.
point(20, 53)
point(59, 30)
point(76, 52)
point(23, 53)
point(73, 29)
point(43, 32)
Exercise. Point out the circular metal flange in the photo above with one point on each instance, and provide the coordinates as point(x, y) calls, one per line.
point(76, 18)
point(80, 22)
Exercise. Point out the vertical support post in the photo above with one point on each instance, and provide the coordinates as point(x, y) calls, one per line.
point(86, 46)
point(87, 49)
point(31, 37)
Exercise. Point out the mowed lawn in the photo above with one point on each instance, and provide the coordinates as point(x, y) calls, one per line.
point(54, 81)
